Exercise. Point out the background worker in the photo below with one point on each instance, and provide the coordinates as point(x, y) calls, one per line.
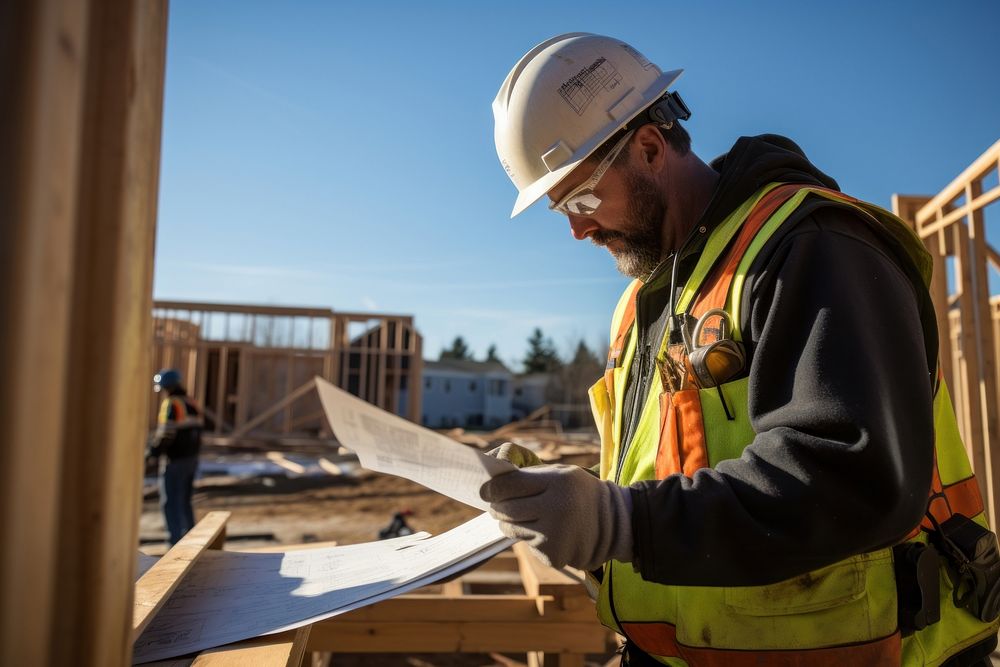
point(178, 438)
point(772, 421)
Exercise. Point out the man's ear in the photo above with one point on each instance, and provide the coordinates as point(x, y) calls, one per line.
point(650, 147)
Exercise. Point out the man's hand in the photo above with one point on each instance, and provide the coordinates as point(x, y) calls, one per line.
point(522, 457)
point(564, 513)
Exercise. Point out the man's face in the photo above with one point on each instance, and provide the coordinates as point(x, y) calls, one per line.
point(628, 221)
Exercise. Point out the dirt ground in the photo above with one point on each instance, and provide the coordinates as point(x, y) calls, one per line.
point(294, 510)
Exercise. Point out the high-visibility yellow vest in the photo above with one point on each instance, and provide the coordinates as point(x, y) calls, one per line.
point(842, 614)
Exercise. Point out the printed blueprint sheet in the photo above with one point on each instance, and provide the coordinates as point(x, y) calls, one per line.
point(390, 444)
point(230, 595)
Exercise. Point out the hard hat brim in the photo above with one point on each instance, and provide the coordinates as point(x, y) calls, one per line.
point(539, 188)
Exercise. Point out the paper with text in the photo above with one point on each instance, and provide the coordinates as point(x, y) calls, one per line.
point(387, 443)
point(229, 596)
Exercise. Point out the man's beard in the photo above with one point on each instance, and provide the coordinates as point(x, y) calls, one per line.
point(640, 246)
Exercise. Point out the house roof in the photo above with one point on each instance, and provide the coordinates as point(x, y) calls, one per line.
point(466, 366)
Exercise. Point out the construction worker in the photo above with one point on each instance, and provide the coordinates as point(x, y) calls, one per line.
point(781, 478)
point(178, 437)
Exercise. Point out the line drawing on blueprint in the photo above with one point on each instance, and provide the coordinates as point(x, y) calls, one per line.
point(581, 88)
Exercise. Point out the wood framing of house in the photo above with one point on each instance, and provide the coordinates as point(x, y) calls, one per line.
point(241, 362)
point(952, 225)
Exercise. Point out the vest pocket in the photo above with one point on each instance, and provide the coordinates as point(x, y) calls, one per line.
point(682, 446)
point(825, 588)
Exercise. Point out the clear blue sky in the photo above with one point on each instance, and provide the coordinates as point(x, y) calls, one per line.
point(341, 154)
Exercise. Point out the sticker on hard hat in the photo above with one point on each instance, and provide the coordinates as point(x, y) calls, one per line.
point(581, 88)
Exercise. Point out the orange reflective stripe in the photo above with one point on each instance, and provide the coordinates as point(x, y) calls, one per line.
point(959, 498)
point(618, 344)
point(718, 284)
point(628, 319)
point(180, 410)
point(661, 639)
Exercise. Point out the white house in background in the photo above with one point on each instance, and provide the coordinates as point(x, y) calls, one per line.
point(472, 394)
point(529, 394)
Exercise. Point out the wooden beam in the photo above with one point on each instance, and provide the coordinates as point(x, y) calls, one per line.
point(415, 384)
point(79, 132)
point(978, 203)
point(219, 400)
point(329, 466)
point(907, 206)
point(970, 418)
point(274, 409)
point(986, 372)
point(247, 309)
point(461, 637)
point(540, 580)
point(43, 47)
point(279, 459)
point(982, 165)
point(285, 649)
point(155, 586)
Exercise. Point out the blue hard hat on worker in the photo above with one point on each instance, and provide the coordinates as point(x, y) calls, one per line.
point(167, 379)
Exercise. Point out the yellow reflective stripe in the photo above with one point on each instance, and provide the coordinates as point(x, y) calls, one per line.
point(620, 374)
point(716, 245)
point(621, 378)
point(953, 462)
point(164, 415)
point(762, 237)
point(600, 406)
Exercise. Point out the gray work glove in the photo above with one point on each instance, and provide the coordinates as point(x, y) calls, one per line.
point(522, 457)
point(565, 514)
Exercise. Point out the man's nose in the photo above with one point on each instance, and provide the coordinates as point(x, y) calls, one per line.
point(582, 226)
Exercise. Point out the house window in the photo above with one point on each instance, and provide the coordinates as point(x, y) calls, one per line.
point(447, 386)
point(472, 386)
point(497, 387)
point(427, 383)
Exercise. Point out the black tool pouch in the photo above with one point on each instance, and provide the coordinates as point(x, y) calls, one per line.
point(973, 563)
point(918, 585)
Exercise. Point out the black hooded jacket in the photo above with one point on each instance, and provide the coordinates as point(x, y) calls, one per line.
point(840, 398)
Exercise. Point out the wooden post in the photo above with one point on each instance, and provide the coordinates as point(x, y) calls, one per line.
point(906, 207)
point(416, 381)
point(380, 366)
point(79, 132)
point(970, 418)
point(985, 369)
point(221, 394)
point(153, 588)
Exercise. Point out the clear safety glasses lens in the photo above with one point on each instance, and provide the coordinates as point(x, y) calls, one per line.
point(582, 200)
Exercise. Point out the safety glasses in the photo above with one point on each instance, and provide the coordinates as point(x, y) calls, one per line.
point(581, 200)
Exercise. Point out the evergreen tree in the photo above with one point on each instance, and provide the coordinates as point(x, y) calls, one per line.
point(491, 353)
point(541, 356)
point(458, 350)
point(568, 387)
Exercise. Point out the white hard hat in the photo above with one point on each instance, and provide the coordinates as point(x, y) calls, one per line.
point(565, 98)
